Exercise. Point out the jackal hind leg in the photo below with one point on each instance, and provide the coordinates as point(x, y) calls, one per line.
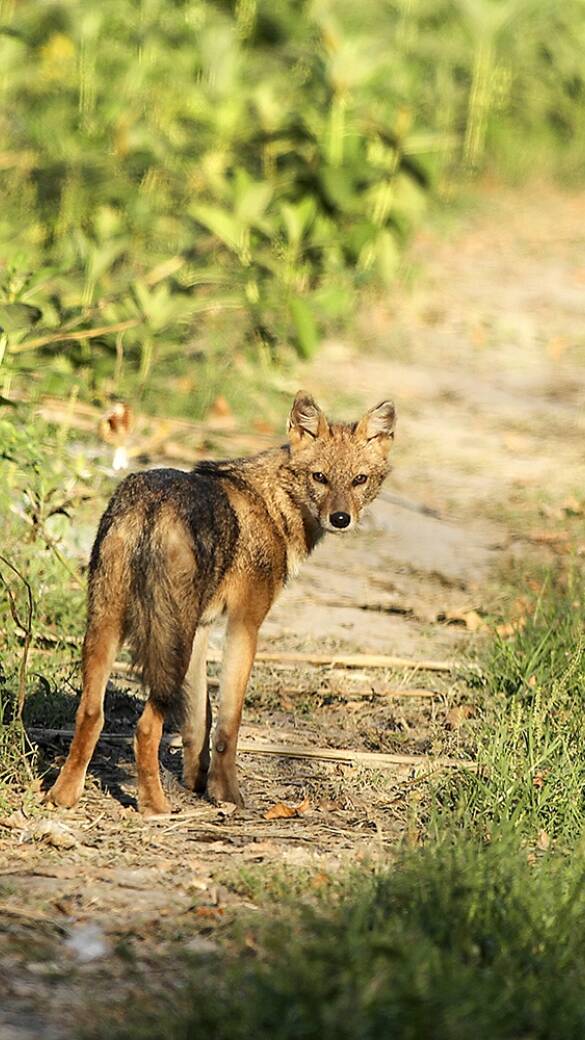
point(197, 717)
point(152, 800)
point(238, 658)
point(99, 650)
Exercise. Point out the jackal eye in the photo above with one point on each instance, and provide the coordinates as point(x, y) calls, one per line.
point(320, 478)
point(360, 479)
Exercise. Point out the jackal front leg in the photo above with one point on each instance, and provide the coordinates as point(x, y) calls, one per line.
point(197, 721)
point(238, 658)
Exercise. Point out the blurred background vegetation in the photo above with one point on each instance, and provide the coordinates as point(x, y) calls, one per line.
point(194, 187)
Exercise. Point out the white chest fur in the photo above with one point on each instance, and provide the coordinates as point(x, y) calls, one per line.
point(293, 562)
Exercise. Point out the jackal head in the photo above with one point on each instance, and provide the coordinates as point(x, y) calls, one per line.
point(340, 467)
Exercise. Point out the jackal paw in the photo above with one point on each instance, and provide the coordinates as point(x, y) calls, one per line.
point(153, 804)
point(224, 789)
point(196, 780)
point(64, 793)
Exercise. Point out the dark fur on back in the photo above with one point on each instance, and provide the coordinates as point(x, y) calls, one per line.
point(168, 538)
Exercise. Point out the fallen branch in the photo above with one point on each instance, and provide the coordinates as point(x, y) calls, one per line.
point(375, 759)
point(298, 657)
point(348, 660)
point(79, 334)
point(122, 668)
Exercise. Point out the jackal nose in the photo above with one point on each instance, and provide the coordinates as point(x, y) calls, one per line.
point(340, 519)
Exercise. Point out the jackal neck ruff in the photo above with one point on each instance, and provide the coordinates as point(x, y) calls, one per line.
point(270, 484)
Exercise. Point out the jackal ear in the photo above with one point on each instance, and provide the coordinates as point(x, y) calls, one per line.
point(378, 422)
point(306, 418)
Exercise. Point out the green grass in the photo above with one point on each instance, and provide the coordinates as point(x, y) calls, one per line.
point(532, 775)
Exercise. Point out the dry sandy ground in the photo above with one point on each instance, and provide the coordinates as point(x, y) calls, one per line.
point(484, 355)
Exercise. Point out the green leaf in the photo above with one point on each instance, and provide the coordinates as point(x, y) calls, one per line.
point(16, 316)
point(298, 218)
point(251, 202)
point(339, 188)
point(306, 336)
point(221, 224)
point(387, 256)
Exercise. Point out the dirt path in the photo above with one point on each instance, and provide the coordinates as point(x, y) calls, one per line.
point(484, 357)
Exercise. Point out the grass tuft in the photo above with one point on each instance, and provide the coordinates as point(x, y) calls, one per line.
point(530, 748)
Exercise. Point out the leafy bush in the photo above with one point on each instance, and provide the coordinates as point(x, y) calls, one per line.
point(178, 175)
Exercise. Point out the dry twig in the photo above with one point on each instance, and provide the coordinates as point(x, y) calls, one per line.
point(25, 629)
point(375, 759)
point(349, 660)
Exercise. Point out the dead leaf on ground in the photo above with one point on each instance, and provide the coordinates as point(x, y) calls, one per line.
point(470, 618)
point(262, 426)
point(54, 833)
point(543, 841)
point(457, 716)
point(17, 821)
point(220, 407)
point(548, 537)
point(209, 911)
point(320, 879)
point(220, 415)
point(511, 628)
point(281, 811)
point(226, 809)
point(330, 805)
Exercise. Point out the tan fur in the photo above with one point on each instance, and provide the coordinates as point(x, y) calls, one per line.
point(174, 551)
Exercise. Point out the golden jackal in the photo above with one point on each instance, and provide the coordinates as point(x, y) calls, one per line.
point(174, 550)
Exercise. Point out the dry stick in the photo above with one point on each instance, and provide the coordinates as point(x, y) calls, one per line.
point(333, 660)
point(407, 503)
point(126, 670)
point(349, 660)
point(35, 916)
point(59, 337)
point(26, 629)
point(375, 759)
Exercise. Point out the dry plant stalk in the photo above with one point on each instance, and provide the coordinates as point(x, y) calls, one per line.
point(26, 629)
point(349, 660)
point(375, 759)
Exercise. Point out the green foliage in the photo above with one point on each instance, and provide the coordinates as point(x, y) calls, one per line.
point(182, 174)
point(42, 481)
